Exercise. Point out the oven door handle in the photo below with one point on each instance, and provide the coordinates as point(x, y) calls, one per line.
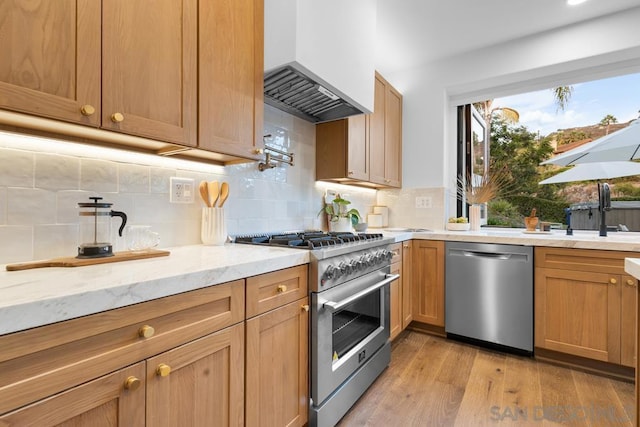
point(335, 306)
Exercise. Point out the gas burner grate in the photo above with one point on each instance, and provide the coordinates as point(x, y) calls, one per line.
point(312, 239)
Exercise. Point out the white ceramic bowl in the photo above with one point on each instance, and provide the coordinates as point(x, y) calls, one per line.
point(458, 226)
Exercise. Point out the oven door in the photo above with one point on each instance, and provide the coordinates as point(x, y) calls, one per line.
point(349, 324)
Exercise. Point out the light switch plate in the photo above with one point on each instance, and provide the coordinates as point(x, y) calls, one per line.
point(181, 190)
point(423, 202)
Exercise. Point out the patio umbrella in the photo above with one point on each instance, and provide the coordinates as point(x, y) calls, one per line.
point(620, 145)
point(593, 171)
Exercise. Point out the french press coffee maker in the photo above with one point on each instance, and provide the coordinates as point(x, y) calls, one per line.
point(95, 228)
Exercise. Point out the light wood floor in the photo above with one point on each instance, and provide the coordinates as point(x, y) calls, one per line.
point(436, 382)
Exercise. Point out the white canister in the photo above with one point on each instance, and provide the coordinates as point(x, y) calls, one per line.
point(214, 230)
point(374, 220)
point(384, 211)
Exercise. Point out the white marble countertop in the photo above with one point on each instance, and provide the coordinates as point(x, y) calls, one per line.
point(632, 266)
point(42, 296)
point(581, 239)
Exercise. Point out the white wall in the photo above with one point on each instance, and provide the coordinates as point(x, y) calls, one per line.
point(41, 183)
point(594, 49)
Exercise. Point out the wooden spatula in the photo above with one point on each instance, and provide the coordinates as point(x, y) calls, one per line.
point(204, 193)
point(224, 193)
point(214, 192)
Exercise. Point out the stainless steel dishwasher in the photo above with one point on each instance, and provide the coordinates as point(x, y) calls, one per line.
point(489, 294)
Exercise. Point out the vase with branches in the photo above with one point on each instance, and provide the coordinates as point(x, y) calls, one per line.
point(477, 190)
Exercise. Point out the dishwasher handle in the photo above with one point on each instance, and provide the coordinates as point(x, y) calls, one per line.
point(335, 306)
point(494, 255)
point(489, 255)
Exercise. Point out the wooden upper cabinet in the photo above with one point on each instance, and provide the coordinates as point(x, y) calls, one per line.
point(50, 61)
point(364, 150)
point(393, 138)
point(386, 135)
point(377, 132)
point(149, 68)
point(342, 149)
point(231, 62)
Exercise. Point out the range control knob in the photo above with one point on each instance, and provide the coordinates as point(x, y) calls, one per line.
point(354, 265)
point(344, 268)
point(387, 255)
point(379, 257)
point(330, 273)
point(369, 260)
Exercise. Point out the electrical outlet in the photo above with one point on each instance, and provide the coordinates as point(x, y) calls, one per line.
point(423, 202)
point(181, 190)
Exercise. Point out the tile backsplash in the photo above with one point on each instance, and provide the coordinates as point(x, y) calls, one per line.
point(40, 189)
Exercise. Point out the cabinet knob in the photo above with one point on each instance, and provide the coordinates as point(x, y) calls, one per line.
point(282, 288)
point(350, 172)
point(258, 151)
point(163, 370)
point(613, 281)
point(132, 383)
point(387, 181)
point(631, 282)
point(406, 246)
point(87, 110)
point(305, 307)
point(146, 331)
point(117, 117)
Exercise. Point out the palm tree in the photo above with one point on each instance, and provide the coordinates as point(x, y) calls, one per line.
point(607, 120)
point(562, 95)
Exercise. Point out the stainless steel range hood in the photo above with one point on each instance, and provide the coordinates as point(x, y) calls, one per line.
point(316, 74)
point(290, 90)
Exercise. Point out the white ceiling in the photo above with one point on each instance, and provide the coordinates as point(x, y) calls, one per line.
point(413, 32)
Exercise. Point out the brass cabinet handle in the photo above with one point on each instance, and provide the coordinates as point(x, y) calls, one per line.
point(305, 307)
point(281, 289)
point(258, 151)
point(406, 246)
point(117, 117)
point(631, 282)
point(87, 110)
point(350, 172)
point(146, 331)
point(163, 370)
point(613, 281)
point(395, 252)
point(132, 383)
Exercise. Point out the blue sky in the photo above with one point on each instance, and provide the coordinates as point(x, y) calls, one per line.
point(590, 102)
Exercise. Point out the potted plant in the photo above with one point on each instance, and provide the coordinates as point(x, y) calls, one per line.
point(340, 218)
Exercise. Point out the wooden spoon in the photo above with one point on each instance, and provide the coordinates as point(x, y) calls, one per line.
point(204, 193)
point(224, 193)
point(214, 192)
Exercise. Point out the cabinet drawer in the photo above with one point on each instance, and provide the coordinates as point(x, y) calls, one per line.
point(272, 290)
point(396, 251)
point(582, 259)
point(43, 361)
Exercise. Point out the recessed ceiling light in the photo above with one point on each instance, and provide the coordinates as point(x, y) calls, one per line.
point(575, 2)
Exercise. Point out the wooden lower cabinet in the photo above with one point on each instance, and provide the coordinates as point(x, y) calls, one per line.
point(628, 321)
point(199, 383)
point(277, 356)
point(407, 282)
point(400, 290)
point(277, 366)
point(428, 282)
point(395, 305)
point(116, 399)
point(585, 305)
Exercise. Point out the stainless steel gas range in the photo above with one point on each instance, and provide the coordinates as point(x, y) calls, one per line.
point(349, 279)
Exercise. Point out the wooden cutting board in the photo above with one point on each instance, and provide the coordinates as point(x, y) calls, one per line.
point(78, 262)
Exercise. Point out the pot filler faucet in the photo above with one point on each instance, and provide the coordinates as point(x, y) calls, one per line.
point(604, 204)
